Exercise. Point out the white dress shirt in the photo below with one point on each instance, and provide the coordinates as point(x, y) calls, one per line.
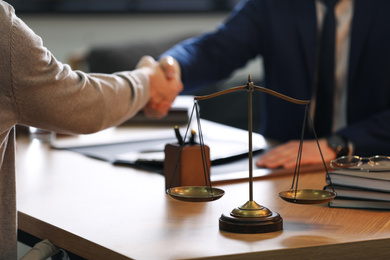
point(344, 14)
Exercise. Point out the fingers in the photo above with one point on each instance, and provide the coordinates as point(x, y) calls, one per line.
point(171, 67)
point(165, 85)
point(146, 61)
point(285, 155)
point(157, 111)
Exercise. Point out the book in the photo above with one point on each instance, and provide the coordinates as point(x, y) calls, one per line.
point(178, 114)
point(345, 192)
point(358, 198)
point(359, 204)
point(379, 181)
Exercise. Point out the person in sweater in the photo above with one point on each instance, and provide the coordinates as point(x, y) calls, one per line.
point(37, 90)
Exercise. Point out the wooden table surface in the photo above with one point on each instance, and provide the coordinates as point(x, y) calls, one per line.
point(101, 211)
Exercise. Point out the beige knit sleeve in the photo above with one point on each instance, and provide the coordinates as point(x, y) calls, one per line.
point(50, 95)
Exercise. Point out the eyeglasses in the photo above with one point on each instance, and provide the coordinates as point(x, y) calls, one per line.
point(377, 163)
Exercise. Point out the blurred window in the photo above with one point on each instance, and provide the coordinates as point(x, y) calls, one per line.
point(121, 6)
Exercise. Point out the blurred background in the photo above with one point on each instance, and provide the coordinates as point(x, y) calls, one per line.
point(111, 35)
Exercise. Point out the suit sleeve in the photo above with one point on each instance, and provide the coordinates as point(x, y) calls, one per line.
point(370, 136)
point(214, 56)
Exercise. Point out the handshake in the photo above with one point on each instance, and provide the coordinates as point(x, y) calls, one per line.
point(165, 84)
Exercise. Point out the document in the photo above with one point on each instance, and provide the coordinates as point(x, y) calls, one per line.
point(143, 146)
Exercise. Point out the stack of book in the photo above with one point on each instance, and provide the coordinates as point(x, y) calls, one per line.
point(360, 189)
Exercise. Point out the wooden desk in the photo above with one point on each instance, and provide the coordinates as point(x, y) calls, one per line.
point(100, 211)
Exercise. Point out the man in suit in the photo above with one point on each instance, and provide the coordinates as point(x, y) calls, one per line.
point(286, 33)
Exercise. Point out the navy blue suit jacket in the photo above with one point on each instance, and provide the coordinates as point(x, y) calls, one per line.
point(284, 33)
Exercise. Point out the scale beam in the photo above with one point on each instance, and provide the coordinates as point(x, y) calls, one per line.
point(252, 217)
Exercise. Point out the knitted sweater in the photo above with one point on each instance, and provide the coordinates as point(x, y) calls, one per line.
point(37, 90)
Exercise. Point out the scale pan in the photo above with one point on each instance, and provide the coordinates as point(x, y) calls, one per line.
point(195, 193)
point(307, 196)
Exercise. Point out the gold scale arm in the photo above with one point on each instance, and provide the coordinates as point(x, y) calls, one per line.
point(262, 89)
point(250, 87)
point(252, 217)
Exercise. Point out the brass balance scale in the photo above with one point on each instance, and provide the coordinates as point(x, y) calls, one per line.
point(252, 217)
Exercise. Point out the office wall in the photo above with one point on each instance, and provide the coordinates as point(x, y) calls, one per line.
point(63, 34)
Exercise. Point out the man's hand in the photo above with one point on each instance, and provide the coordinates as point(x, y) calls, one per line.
point(285, 155)
point(171, 67)
point(163, 88)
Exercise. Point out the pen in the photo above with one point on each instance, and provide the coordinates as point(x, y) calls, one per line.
point(192, 138)
point(178, 135)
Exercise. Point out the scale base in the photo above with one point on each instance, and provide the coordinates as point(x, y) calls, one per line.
point(271, 223)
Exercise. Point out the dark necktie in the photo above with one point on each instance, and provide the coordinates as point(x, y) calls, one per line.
point(326, 72)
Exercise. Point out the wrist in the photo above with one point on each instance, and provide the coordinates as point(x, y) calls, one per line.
point(340, 145)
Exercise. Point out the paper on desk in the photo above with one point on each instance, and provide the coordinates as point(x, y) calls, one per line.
point(226, 144)
point(220, 152)
point(149, 154)
point(115, 135)
point(161, 129)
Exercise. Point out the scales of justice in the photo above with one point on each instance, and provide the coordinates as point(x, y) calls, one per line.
point(251, 217)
